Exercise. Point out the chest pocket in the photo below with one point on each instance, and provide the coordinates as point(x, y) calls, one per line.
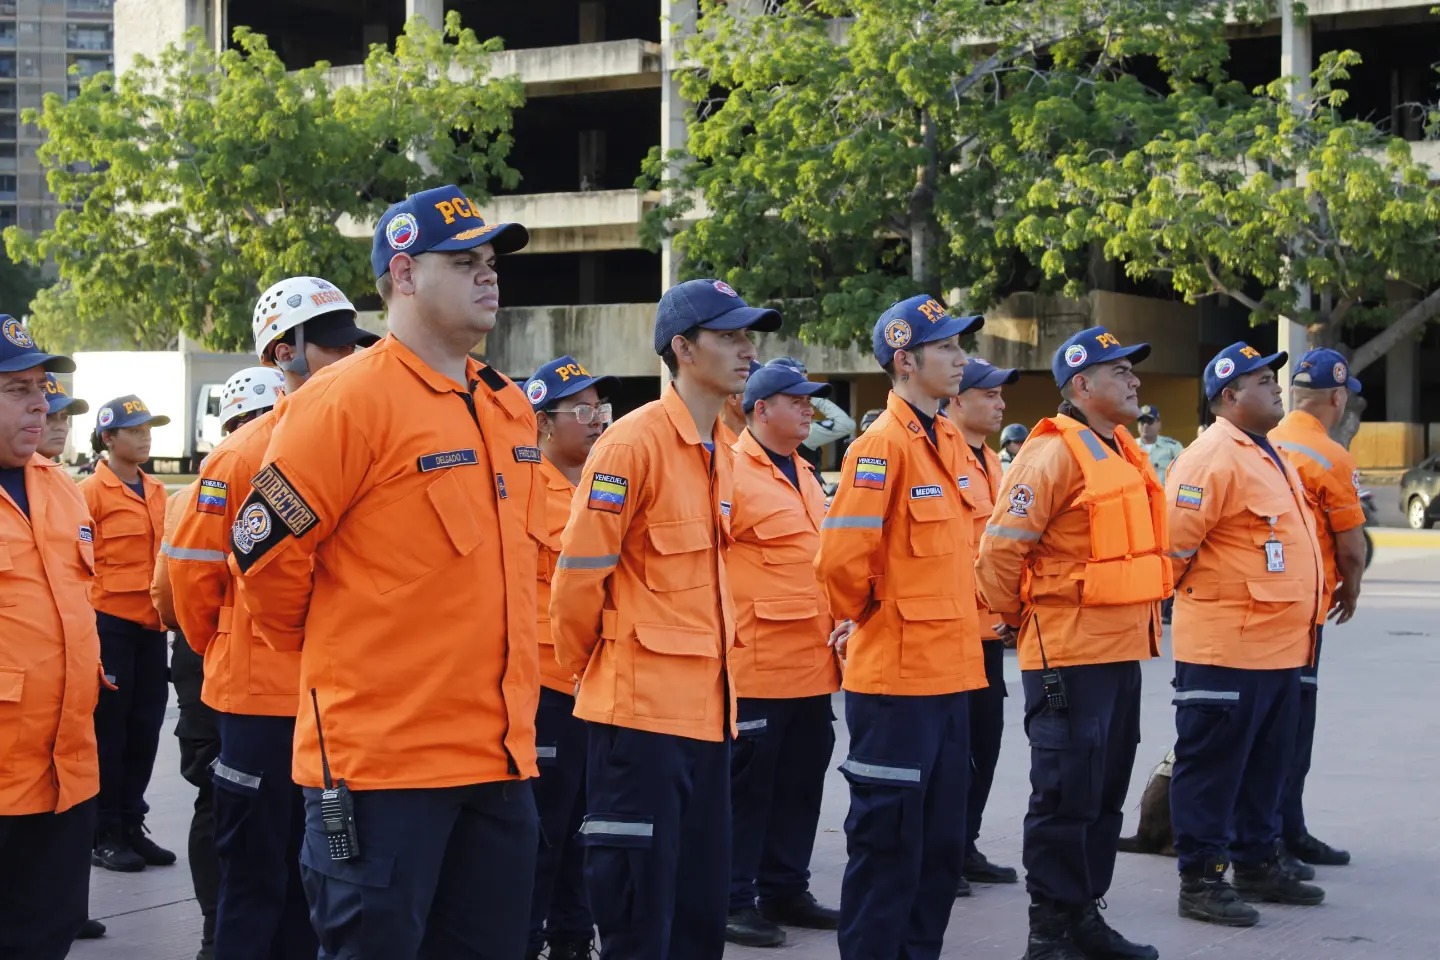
point(1261, 511)
point(125, 562)
point(421, 532)
point(677, 554)
point(932, 527)
point(782, 540)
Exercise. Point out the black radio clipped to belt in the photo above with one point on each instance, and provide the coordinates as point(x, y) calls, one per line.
point(1050, 680)
point(337, 805)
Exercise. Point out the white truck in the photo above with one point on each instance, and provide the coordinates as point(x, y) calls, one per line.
point(184, 385)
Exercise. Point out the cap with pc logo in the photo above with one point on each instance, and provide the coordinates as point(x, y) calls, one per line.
point(126, 411)
point(915, 322)
point(1235, 361)
point(710, 305)
point(438, 220)
point(18, 352)
point(59, 400)
point(561, 378)
point(780, 376)
point(1324, 369)
point(1091, 346)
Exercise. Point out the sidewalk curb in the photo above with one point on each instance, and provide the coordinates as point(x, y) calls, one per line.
point(1392, 537)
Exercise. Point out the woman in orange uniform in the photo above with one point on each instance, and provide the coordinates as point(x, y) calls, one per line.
point(129, 510)
point(571, 414)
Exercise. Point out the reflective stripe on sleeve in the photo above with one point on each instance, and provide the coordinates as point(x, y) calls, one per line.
point(853, 523)
point(1183, 554)
point(188, 553)
point(1010, 533)
point(1310, 452)
point(588, 563)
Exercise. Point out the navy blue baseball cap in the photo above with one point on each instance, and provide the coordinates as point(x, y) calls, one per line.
point(1148, 411)
point(561, 378)
point(1237, 360)
point(985, 375)
point(915, 322)
point(59, 400)
point(711, 305)
point(18, 352)
point(1089, 347)
point(126, 411)
point(780, 376)
point(439, 219)
point(1324, 369)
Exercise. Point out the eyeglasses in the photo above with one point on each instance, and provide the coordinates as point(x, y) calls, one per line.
point(587, 414)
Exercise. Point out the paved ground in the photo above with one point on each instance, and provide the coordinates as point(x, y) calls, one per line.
point(1374, 790)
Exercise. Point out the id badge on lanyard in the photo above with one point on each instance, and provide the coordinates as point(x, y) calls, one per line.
point(1274, 552)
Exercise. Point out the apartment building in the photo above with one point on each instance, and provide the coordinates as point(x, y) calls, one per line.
point(600, 94)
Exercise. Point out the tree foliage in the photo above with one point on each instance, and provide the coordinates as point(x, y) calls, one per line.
point(191, 183)
point(843, 175)
point(1250, 197)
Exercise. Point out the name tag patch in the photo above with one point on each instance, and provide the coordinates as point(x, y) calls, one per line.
point(289, 507)
point(724, 508)
point(447, 459)
point(925, 492)
point(86, 536)
point(608, 493)
point(964, 483)
point(214, 495)
point(527, 454)
point(1190, 497)
point(870, 473)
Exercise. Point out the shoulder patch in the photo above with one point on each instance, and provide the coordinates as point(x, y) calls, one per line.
point(608, 492)
point(255, 531)
point(289, 507)
point(870, 472)
point(1022, 495)
point(214, 495)
point(1190, 497)
point(926, 492)
point(1355, 478)
point(446, 459)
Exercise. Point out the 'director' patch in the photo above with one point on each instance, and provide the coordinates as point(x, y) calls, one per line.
point(1190, 497)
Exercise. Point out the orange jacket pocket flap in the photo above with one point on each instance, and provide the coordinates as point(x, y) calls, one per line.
point(12, 684)
point(679, 536)
point(787, 608)
point(124, 527)
point(1278, 590)
point(677, 641)
point(785, 523)
point(928, 509)
point(928, 608)
point(1265, 509)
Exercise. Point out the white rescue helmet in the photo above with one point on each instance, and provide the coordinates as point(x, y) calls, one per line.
point(291, 302)
point(249, 390)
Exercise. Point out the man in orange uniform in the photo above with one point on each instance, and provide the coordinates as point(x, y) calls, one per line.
point(897, 558)
point(401, 484)
point(785, 669)
point(49, 671)
point(979, 411)
point(1320, 389)
point(1248, 586)
point(571, 417)
point(640, 610)
point(254, 690)
point(1074, 559)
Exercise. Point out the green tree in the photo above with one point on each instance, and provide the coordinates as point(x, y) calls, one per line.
point(191, 183)
point(1252, 198)
point(846, 152)
point(19, 283)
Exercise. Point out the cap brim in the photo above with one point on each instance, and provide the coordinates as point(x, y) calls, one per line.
point(762, 319)
point(1146, 418)
point(1275, 361)
point(342, 337)
point(504, 237)
point(1135, 353)
point(952, 327)
point(601, 384)
point(809, 388)
point(73, 404)
point(997, 377)
point(48, 362)
point(1352, 385)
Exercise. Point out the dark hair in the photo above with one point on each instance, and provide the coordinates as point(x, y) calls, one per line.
point(667, 356)
point(97, 445)
point(385, 286)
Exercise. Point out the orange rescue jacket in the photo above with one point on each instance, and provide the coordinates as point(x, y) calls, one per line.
point(897, 557)
point(162, 592)
point(559, 497)
point(1227, 498)
point(49, 651)
point(1332, 487)
point(640, 608)
point(1076, 549)
point(390, 537)
point(128, 531)
point(243, 675)
point(982, 482)
point(782, 616)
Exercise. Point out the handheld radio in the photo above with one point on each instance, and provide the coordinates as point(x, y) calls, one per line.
point(337, 806)
point(1051, 680)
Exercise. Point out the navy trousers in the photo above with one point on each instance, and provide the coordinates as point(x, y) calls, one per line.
point(1292, 805)
point(443, 874)
point(128, 719)
point(987, 729)
point(1080, 763)
point(559, 910)
point(1234, 732)
point(45, 863)
point(777, 779)
point(657, 844)
point(909, 771)
point(259, 828)
point(199, 737)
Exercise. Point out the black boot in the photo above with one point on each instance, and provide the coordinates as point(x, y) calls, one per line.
point(802, 911)
point(1100, 941)
point(962, 889)
point(978, 869)
point(1269, 882)
point(571, 948)
point(749, 929)
point(1207, 896)
point(1318, 852)
point(151, 852)
point(113, 852)
point(1050, 933)
point(91, 930)
point(1291, 865)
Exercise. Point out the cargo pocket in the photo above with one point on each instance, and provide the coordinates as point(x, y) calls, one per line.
point(929, 637)
point(547, 756)
point(779, 621)
point(1272, 597)
point(678, 556)
point(236, 795)
point(1064, 764)
point(933, 531)
point(673, 672)
point(885, 797)
point(343, 891)
point(12, 688)
point(132, 573)
point(617, 864)
point(1203, 719)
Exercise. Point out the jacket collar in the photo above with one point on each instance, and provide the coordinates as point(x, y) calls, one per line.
point(679, 414)
point(554, 479)
point(751, 447)
point(501, 390)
